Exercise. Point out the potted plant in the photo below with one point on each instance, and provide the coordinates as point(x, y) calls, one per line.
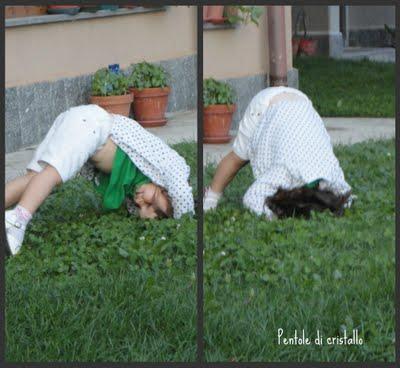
point(20, 11)
point(213, 14)
point(243, 14)
point(218, 109)
point(205, 13)
point(306, 45)
point(110, 90)
point(149, 86)
point(63, 9)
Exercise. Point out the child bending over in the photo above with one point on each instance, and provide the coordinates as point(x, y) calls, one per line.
point(130, 163)
point(290, 152)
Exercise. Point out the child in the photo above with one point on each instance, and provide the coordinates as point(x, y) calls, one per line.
point(131, 161)
point(291, 156)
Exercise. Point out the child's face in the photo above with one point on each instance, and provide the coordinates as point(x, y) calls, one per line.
point(148, 198)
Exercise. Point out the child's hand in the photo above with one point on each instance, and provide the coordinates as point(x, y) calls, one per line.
point(210, 200)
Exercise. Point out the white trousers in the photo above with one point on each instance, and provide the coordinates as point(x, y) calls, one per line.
point(74, 137)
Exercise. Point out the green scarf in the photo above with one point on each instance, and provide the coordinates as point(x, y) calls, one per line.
point(313, 184)
point(125, 177)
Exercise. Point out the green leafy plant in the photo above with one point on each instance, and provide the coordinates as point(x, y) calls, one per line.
point(106, 82)
point(217, 93)
point(147, 75)
point(244, 14)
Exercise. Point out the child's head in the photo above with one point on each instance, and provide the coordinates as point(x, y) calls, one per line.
point(153, 202)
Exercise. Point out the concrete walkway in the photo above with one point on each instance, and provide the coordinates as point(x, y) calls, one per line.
point(380, 54)
point(341, 130)
point(181, 126)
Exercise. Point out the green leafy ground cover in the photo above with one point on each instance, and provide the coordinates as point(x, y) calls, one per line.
point(93, 286)
point(328, 273)
point(348, 88)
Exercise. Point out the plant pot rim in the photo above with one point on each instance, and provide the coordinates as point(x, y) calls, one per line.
point(153, 91)
point(220, 108)
point(126, 98)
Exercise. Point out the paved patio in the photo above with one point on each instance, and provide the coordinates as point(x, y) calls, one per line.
point(181, 126)
point(381, 54)
point(341, 130)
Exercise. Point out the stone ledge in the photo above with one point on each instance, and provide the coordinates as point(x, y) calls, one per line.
point(55, 18)
point(210, 26)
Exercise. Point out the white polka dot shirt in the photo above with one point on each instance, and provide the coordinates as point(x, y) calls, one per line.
point(290, 148)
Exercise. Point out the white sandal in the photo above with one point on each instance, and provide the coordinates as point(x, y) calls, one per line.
point(13, 244)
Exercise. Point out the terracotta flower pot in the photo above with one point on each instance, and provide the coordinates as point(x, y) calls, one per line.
point(217, 120)
point(215, 14)
point(308, 46)
point(114, 104)
point(205, 13)
point(20, 11)
point(150, 105)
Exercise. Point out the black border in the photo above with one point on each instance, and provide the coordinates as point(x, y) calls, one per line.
point(200, 243)
point(2, 183)
point(397, 167)
point(204, 2)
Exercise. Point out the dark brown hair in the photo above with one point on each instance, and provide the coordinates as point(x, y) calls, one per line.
point(300, 202)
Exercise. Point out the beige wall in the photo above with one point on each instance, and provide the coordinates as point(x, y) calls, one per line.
point(240, 52)
point(67, 49)
point(370, 17)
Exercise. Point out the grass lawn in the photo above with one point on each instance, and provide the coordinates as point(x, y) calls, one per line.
point(328, 273)
point(93, 286)
point(348, 88)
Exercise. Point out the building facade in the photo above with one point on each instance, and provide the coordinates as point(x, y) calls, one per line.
point(50, 60)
